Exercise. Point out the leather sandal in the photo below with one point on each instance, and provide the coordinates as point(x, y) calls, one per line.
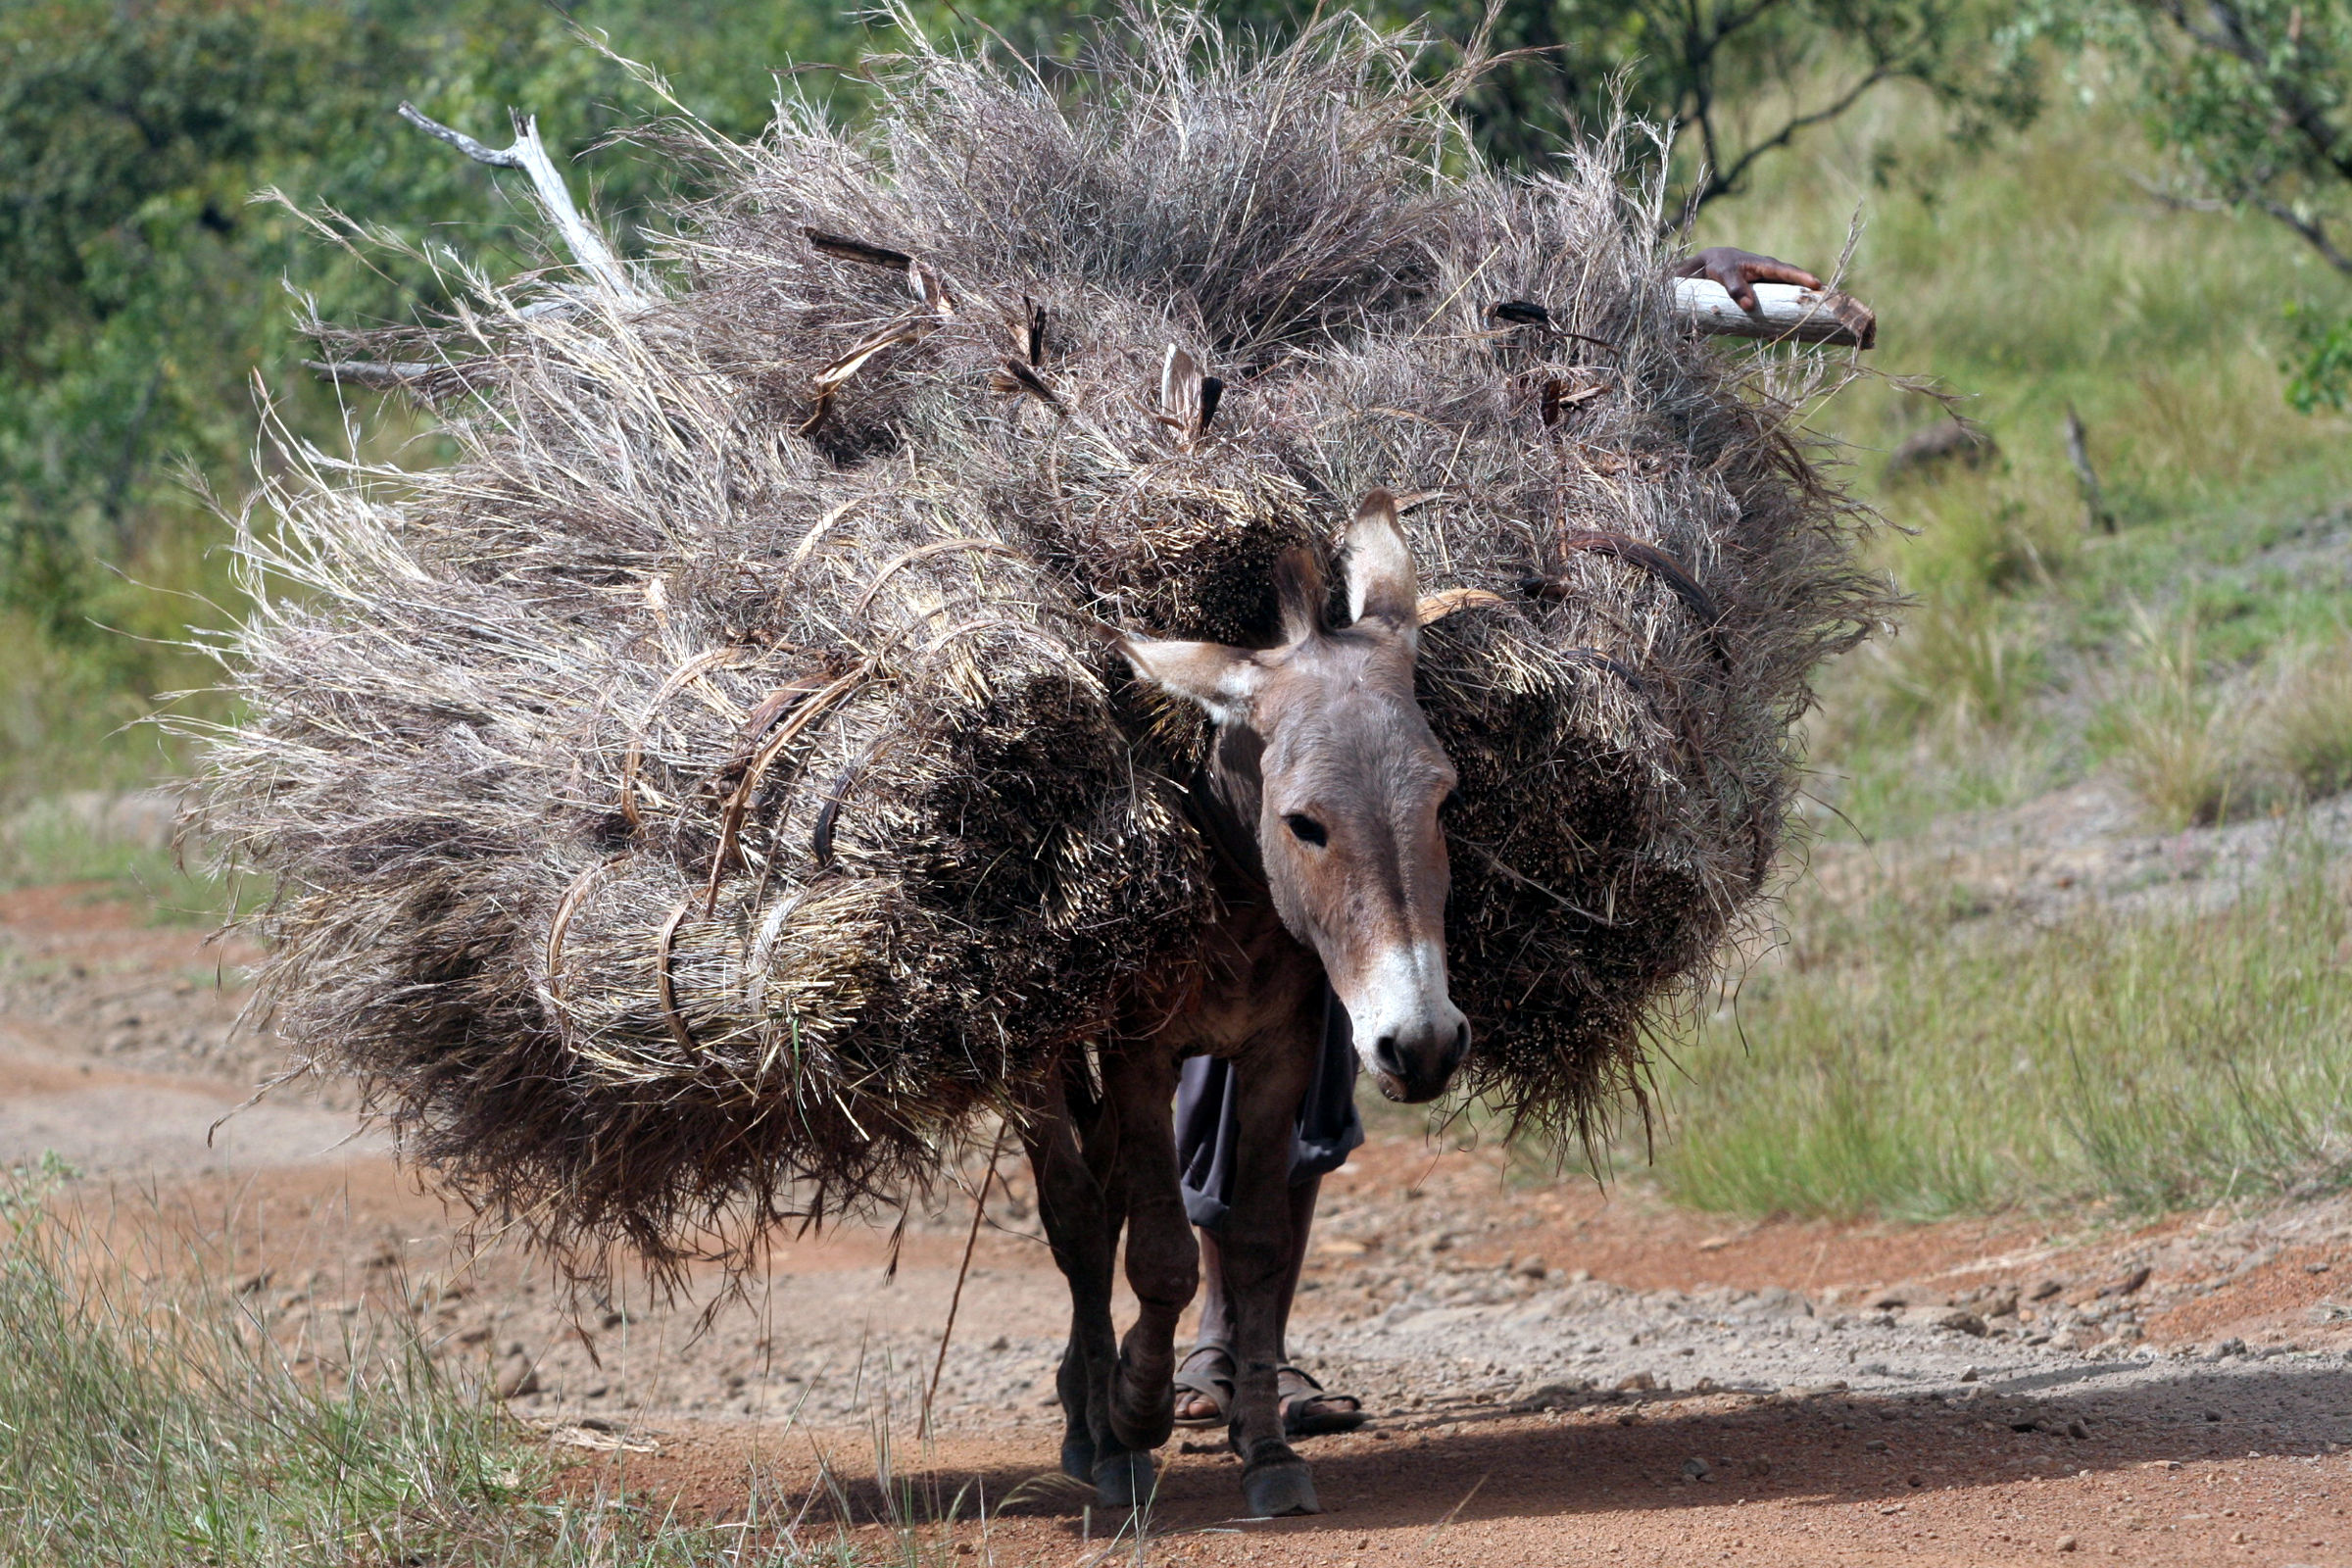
point(1309, 1412)
point(1207, 1372)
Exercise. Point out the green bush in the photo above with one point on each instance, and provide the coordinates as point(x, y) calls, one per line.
point(144, 302)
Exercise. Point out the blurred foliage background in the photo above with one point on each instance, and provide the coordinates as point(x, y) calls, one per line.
point(146, 296)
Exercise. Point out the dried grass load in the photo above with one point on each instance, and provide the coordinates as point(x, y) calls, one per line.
point(700, 798)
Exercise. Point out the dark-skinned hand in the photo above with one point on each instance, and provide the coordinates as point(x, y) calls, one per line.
point(1736, 270)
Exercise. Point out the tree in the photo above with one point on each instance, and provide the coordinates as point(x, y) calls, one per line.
point(140, 286)
point(142, 290)
point(2251, 100)
point(1736, 80)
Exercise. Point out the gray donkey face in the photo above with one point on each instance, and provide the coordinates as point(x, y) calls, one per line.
point(1349, 781)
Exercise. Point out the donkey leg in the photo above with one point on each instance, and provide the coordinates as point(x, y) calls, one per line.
point(1162, 1259)
point(1255, 1250)
point(1081, 1227)
point(1069, 1382)
point(1125, 1471)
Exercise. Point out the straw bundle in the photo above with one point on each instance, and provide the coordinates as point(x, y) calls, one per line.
point(693, 804)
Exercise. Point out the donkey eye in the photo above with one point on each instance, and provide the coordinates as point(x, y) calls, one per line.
point(1306, 829)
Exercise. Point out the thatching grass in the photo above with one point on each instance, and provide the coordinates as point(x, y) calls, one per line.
point(696, 802)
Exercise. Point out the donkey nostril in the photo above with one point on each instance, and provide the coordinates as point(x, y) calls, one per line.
point(1385, 1053)
point(1461, 1040)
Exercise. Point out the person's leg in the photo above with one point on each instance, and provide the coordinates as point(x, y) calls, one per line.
point(1205, 1154)
point(1216, 1321)
point(1306, 1409)
point(1329, 1129)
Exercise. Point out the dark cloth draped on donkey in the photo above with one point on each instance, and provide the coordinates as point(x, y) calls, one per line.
point(1208, 1123)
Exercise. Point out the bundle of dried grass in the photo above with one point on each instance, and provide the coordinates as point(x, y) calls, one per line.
point(694, 803)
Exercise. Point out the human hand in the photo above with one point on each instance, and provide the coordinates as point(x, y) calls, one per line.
point(1737, 270)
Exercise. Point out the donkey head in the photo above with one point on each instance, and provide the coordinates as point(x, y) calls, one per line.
point(1323, 753)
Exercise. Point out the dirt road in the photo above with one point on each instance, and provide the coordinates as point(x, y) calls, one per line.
point(1557, 1374)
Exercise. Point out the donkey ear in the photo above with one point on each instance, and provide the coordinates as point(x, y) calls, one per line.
point(1380, 564)
point(1299, 590)
point(1219, 678)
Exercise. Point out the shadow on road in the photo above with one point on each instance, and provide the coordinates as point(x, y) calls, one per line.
point(1830, 1451)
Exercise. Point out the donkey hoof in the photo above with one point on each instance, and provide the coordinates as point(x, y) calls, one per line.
point(1276, 1490)
point(1123, 1479)
point(1078, 1457)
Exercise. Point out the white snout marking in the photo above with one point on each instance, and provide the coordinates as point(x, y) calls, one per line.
point(1404, 999)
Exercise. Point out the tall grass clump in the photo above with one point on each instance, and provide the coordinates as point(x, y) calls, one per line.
point(1912, 1057)
point(1959, 661)
point(147, 1418)
point(2304, 732)
point(2179, 737)
point(2199, 743)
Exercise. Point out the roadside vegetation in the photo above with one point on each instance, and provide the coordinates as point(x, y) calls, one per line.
point(151, 1417)
point(1917, 1055)
point(71, 839)
point(1909, 1051)
point(2028, 279)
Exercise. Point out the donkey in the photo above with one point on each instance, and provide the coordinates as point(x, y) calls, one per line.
point(1321, 790)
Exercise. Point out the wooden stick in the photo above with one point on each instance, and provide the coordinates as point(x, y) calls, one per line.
point(2096, 515)
point(530, 155)
point(971, 1240)
point(1784, 312)
point(375, 372)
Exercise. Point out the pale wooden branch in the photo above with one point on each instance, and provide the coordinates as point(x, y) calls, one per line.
point(530, 155)
point(1785, 313)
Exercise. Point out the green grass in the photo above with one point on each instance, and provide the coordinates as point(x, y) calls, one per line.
point(1913, 1055)
point(72, 693)
point(147, 1419)
point(2029, 276)
point(50, 842)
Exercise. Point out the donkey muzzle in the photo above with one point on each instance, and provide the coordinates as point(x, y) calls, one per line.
point(1408, 1033)
point(1416, 1064)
